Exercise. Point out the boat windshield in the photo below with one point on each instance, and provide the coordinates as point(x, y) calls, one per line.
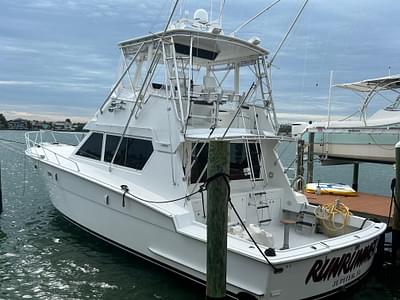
point(241, 167)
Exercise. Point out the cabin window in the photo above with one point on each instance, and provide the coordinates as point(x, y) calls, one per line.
point(196, 52)
point(133, 152)
point(92, 147)
point(239, 164)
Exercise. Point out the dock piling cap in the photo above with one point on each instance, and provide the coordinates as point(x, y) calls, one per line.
point(397, 145)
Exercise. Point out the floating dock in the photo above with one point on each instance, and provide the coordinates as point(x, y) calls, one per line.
point(365, 205)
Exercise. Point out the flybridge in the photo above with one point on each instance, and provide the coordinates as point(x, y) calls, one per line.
point(202, 74)
point(215, 47)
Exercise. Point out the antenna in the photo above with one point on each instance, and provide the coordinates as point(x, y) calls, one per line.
point(148, 77)
point(211, 9)
point(221, 9)
point(330, 98)
point(287, 33)
point(253, 18)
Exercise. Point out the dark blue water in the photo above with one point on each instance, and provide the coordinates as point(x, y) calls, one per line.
point(43, 256)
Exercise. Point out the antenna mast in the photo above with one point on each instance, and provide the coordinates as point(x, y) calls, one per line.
point(253, 18)
point(221, 9)
point(287, 33)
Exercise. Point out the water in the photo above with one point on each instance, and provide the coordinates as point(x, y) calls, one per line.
point(43, 256)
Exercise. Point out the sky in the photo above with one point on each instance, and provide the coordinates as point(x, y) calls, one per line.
point(59, 58)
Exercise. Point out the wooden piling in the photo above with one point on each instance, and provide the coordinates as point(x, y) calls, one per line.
point(300, 165)
point(356, 170)
point(396, 205)
point(310, 157)
point(217, 219)
point(396, 217)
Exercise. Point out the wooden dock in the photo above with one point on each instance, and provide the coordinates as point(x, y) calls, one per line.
point(365, 205)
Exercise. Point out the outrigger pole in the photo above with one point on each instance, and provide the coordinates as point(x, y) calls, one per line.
point(288, 32)
point(255, 17)
point(148, 77)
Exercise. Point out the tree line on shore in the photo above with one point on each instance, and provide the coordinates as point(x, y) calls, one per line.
point(23, 124)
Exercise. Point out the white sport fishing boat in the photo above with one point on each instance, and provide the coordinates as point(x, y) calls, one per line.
point(147, 144)
point(368, 138)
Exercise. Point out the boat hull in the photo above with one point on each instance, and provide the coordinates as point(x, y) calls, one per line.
point(143, 231)
point(325, 275)
point(153, 235)
point(357, 146)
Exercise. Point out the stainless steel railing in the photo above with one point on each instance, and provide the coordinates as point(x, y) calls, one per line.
point(42, 139)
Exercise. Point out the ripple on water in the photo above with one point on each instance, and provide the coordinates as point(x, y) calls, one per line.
point(9, 255)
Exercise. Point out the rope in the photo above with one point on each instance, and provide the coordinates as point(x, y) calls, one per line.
point(126, 191)
point(226, 180)
point(327, 213)
point(380, 146)
point(147, 78)
point(201, 189)
point(393, 200)
point(288, 32)
point(392, 187)
point(15, 150)
point(24, 184)
point(282, 152)
point(253, 18)
point(11, 141)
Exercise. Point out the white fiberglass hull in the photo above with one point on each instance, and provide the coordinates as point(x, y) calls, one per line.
point(153, 236)
point(369, 153)
point(354, 145)
point(141, 230)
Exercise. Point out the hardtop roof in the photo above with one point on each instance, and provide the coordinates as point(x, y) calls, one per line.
point(227, 47)
point(375, 84)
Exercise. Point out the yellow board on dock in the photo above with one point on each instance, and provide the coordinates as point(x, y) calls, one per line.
point(330, 188)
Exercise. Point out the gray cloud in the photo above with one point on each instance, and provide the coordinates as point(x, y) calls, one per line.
point(62, 53)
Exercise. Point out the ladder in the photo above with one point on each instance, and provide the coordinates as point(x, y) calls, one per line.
point(176, 70)
point(263, 208)
point(266, 91)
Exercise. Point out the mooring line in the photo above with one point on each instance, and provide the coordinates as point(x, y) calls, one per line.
point(11, 141)
point(12, 149)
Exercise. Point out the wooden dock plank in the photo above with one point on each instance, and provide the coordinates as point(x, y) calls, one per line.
point(366, 205)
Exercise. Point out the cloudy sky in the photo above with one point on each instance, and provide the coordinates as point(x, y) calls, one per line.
point(58, 58)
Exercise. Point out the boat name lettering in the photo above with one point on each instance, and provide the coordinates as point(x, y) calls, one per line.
point(323, 270)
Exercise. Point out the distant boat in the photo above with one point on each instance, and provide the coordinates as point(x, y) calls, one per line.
point(132, 180)
point(369, 138)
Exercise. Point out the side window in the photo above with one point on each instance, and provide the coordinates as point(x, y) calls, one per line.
point(133, 153)
point(111, 146)
point(255, 155)
point(239, 164)
point(240, 167)
point(199, 157)
point(138, 152)
point(92, 147)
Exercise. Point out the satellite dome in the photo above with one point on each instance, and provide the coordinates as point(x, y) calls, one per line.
point(201, 15)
